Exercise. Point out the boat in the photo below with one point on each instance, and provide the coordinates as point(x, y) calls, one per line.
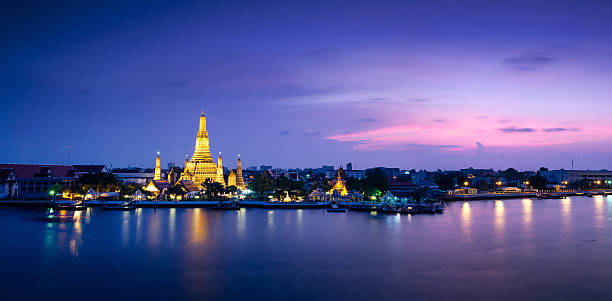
point(53, 215)
point(76, 206)
point(551, 196)
point(362, 207)
point(226, 206)
point(124, 205)
point(590, 194)
point(389, 209)
point(335, 208)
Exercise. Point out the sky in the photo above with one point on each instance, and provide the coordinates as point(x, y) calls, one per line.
point(408, 84)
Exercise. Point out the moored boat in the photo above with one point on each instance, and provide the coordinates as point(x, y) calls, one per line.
point(75, 206)
point(226, 206)
point(335, 208)
point(124, 205)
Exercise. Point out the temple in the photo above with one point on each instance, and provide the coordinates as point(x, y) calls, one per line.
point(201, 165)
point(231, 179)
point(339, 185)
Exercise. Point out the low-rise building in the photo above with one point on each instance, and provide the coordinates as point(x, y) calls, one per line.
point(35, 180)
point(574, 176)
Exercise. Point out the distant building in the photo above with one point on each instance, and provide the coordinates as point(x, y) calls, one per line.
point(34, 181)
point(574, 176)
point(134, 175)
point(265, 167)
point(349, 166)
point(8, 183)
point(357, 174)
point(89, 169)
point(389, 172)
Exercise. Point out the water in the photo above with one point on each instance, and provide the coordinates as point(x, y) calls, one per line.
point(482, 250)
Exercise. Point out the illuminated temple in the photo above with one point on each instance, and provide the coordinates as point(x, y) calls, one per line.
point(201, 165)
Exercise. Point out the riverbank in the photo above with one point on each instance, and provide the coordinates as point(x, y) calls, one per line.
point(520, 195)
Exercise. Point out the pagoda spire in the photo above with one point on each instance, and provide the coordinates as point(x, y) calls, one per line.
point(239, 179)
point(157, 175)
point(231, 179)
point(220, 178)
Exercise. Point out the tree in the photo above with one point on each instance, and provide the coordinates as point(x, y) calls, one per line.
point(212, 189)
point(176, 190)
point(55, 189)
point(262, 183)
point(355, 184)
point(232, 189)
point(538, 182)
point(445, 182)
point(376, 182)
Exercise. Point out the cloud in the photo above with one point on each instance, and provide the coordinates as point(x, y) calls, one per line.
point(482, 117)
point(368, 120)
point(439, 120)
point(369, 145)
point(312, 133)
point(528, 61)
point(480, 147)
point(82, 93)
point(378, 99)
point(554, 130)
point(516, 130)
point(419, 100)
point(179, 83)
point(285, 133)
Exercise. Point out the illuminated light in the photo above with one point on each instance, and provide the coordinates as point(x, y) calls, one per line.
point(52, 192)
point(466, 183)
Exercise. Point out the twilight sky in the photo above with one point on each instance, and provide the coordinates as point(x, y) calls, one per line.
point(409, 84)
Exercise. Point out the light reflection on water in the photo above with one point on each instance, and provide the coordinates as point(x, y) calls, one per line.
point(599, 210)
point(466, 218)
point(205, 254)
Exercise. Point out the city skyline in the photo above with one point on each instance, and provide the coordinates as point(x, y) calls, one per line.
point(410, 85)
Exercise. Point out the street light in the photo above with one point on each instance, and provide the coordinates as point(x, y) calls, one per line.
point(466, 183)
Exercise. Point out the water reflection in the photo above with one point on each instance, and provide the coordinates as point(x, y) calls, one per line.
point(500, 221)
point(566, 208)
point(527, 213)
point(300, 221)
point(154, 229)
point(270, 220)
point(241, 222)
point(171, 224)
point(125, 228)
point(466, 220)
point(198, 226)
point(599, 211)
point(138, 225)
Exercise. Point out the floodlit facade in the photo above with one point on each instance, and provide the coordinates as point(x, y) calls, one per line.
point(201, 165)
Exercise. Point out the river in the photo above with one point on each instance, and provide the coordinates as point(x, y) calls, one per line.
point(522, 249)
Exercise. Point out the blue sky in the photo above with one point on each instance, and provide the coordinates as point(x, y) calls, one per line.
point(413, 84)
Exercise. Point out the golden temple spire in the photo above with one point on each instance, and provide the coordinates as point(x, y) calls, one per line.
point(157, 175)
point(220, 178)
point(231, 179)
point(239, 179)
point(202, 122)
